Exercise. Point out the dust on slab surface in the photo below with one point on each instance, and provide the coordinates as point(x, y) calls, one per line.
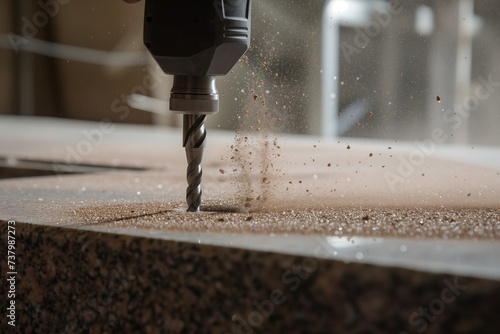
point(443, 223)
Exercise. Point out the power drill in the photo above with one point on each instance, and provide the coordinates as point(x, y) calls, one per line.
point(195, 41)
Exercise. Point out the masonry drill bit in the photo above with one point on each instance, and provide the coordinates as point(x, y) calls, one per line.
point(194, 142)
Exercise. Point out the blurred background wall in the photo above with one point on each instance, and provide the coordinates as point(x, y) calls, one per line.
point(387, 89)
point(61, 86)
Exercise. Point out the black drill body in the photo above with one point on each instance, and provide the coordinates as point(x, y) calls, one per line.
point(197, 37)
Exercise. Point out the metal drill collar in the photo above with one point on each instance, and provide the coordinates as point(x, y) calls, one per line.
point(194, 95)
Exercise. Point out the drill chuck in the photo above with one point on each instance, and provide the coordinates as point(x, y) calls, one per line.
point(196, 40)
point(194, 95)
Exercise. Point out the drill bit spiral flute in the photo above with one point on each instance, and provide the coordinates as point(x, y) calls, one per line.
point(195, 41)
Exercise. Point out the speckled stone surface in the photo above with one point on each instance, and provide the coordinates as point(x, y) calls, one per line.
point(72, 281)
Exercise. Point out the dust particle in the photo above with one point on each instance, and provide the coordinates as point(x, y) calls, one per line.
point(438, 99)
point(348, 147)
point(371, 155)
point(222, 171)
point(329, 165)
